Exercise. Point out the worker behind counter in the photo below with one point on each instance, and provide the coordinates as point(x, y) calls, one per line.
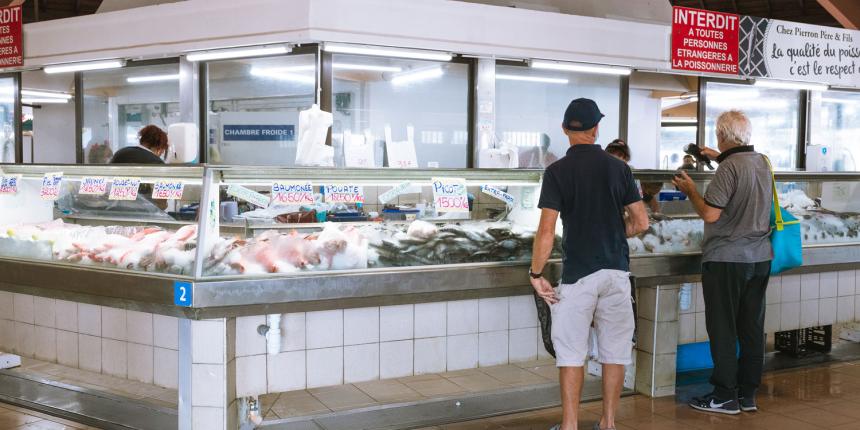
point(151, 149)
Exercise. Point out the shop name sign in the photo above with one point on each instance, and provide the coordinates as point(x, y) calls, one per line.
point(704, 41)
point(449, 195)
point(344, 194)
point(291, 193)
point(269, 132)
point(11, 46)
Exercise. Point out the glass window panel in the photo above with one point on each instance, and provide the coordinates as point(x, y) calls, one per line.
point(773, 113)
point(672, 142)
point(117, 106)
point(49, 117)
point(7, 120)
point(529, 113)
point(258, 92)
point(835, 124)
point(372, 93)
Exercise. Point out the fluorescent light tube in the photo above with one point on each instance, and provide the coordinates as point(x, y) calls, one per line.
point(367, 67)
point(290, 69)
point(46, 94)
point(152, 78)
point(418, 75)
point(788, 85)
point(388, 52)
point(579, 67)
point(284, 76)
point(223, 54)
point(84, 66)
point(505, 77)
point(44, 101)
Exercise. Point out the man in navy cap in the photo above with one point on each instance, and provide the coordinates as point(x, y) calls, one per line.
point(600, 207)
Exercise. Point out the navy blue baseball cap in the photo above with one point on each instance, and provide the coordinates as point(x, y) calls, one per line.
point(581, 115)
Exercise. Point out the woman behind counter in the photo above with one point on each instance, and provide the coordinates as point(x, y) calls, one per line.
point(151, 148)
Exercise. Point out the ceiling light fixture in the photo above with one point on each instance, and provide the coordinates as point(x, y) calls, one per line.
point(84, 66)
point(367, 67)
point(417, 75)
point(505, 77)
point(789, 85)
point(387, 52)
point(223, 54)
point(46, 94)
point(152, 78)
point(580, 67)
point(35, 101)
point(284, 76)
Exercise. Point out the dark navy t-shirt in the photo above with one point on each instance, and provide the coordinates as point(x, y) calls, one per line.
point(590, 189)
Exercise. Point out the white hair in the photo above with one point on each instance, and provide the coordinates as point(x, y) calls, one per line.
point(734, 127)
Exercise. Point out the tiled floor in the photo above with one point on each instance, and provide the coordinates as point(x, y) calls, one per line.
point(823, 397)
point(15, 418)
point(408, 389)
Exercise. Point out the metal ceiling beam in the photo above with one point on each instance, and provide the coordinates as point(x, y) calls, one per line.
point(847, 12)
point(735, 7)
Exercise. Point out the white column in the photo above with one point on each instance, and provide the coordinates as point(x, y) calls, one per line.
point(657, 346)
point(207, 377)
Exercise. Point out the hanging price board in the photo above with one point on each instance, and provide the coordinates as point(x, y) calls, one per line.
point(248, 195)
point(344, 194)
point(449, 195)
point(398, 189)
point(9, 184)
point(50, 189)
point(168, 190)
point(499, 194)
point(124, 189)
point(93, 185)
point(291, 193)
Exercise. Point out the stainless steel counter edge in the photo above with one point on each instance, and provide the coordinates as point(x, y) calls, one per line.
point(335, 290)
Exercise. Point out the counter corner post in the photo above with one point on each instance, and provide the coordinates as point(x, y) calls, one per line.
point(657, 340)
point(207, 375)
point(208, 225)
point(482, 106)
point(189, 95)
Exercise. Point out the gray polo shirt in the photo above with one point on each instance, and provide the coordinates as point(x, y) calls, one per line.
point(742, 189)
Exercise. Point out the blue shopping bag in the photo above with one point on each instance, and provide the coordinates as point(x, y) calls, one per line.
point(785, 235)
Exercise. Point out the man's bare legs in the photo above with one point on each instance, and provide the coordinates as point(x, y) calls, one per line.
point(613, 381)
point(571, 392)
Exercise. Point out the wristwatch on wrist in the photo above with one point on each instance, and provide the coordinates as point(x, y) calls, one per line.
point(535, 275)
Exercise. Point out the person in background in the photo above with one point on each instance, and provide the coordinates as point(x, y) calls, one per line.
point(537, 157)
point(619, 149)
point(151, 149)
point(590, 190)
point(689, 163)
point(99, 153)
point(736, 255)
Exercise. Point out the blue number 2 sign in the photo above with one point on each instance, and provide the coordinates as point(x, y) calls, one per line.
point(183, 293)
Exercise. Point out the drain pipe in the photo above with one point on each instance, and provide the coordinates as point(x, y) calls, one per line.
point(273, 335)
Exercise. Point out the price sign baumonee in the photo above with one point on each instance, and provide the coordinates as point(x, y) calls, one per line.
point(11, 46)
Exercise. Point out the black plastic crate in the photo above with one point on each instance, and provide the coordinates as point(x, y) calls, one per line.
point(805, 341)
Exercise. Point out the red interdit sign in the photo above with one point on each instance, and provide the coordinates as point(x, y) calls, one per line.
point(11, 48)
point(704, 41)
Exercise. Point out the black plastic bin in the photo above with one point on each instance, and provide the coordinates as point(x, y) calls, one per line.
point(805, 341)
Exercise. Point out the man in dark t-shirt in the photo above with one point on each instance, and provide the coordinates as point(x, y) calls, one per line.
point(600, 207)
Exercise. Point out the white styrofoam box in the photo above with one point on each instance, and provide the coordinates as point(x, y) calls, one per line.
point(165, 371)
point(773, 294)
point(66, 315)
point(846, 283)
point(699, 296)
point(687, 328)
point(771, 318)
point(701, 327)
point(809, 286)
point(493, 348)
point(522, 312)
point(90, 353)
point(248, 339)
point(324, 329)
point(462, 317)
point(24, 308)
point(7, 335)
point(7, 307)
point(325, 366)
point(45, 344)
point(165, 332)
point(115, 357)
point(360, 363)
point(431, 319)
point(396, 359)
point(541, 348)
point(360, 326)
point(208, 385)
point(790, 288)
point(208, 418)
point(808, 313)
point(396, 322)
point(493, 314)
point(45, 312)
point(114, 323)
point(789, 316)
point(462, 352)
point(293, 332)
point(139, 327)
point(522, 345)
point(250, 375)
point(829, 284)
point(25, 339)
point(140, 363)
point(430, 355)
point(845, 309)
point(9, 360)
point(208, 342)
point(67, 348)
point(827, 311)
point(89, 319)
point(286, 372)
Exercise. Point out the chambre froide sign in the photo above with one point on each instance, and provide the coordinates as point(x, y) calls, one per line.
point(264, 132)
point(704, 41)
point(11, 45)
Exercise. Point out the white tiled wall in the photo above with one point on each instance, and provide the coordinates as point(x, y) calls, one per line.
point(134, 345)
point(793, 302)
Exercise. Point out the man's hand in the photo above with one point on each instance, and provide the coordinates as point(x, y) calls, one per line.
point(710, 153)
point(684, 183)
point(544, 289)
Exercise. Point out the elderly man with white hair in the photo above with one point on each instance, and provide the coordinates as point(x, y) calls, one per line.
point(736, 255)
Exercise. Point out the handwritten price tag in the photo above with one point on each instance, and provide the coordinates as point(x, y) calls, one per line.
point(168, 190)
point(291, 193)
point(344, 194)
point(124, 189)
point(9, 184)
point(449, 195)
point(50, 189)
point(499, 194)
point(93, 185)
point(394, 192)
point(248, 195)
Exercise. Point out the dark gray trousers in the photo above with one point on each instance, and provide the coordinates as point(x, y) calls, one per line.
point(734, 296)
